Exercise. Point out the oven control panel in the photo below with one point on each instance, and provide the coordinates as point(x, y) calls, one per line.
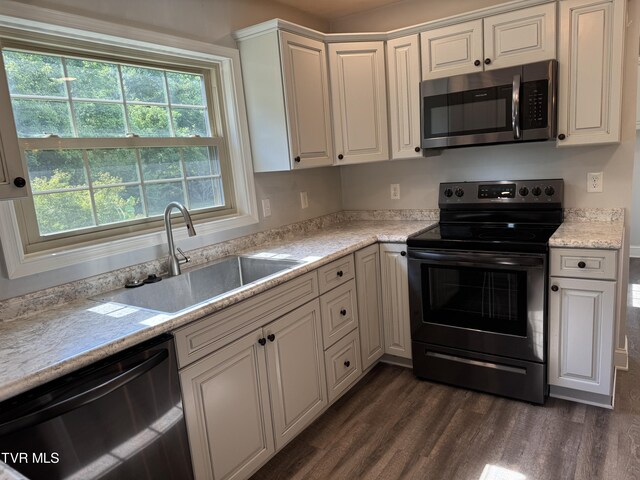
point(547, 191)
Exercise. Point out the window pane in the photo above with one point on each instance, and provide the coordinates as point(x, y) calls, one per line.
point(143, 85)
point(94, 80)
point(190, 121)
point(55, 169)
point(149, 121)
point(34, 118)
point(198, 162)
point(109, 166)
point(118, 204)
point(60, 212)
point(159, 195)
point(99, 119)
point(34, 74)
point(186, 89)
point(218, 191)
point(201, 193)
point(160, 163)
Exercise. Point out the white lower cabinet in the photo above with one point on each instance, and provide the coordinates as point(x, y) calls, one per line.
point(395, 299)
point(231, 395)
point(582, 324)
point(343, 364)
point(369, 294)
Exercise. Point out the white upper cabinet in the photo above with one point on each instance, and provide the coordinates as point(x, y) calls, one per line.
point(403, 73)
point(512, 38)
point(287, 92)
point(12, 173)
point(359, 101)
point(590, 71)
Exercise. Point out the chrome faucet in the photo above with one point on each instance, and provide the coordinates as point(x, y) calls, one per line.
point(174, 261)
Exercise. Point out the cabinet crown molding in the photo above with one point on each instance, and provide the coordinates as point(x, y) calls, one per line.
point(280, 24)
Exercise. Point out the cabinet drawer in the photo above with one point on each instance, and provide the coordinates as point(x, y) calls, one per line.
point(583, 263)
point(343, 364)
point(339, 312)
point(202, 337)
point(336, 273)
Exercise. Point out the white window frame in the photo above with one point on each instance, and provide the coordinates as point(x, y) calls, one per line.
point(25, 22)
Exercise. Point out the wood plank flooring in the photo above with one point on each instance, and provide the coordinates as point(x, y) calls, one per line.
point(393, 426)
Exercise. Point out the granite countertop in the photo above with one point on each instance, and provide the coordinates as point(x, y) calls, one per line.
point(590, 228)
point(42, 346)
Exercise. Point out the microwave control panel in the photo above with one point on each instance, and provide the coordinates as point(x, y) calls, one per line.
point(535, 104)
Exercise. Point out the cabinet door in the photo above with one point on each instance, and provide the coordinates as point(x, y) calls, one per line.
point(520, 37)
point(295, 362)
point(304, 65)
point(369, 292)
point(403, 71)
point(581, 326)
point(590, 71)
point(359, 101)
point(12, 171)
point(452, 50)
point(395, 299)
point(228, 412)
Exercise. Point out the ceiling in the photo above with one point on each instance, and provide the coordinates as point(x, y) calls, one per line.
point(330, 9)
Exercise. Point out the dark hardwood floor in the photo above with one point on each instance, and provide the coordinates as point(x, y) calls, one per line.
point(393, 426)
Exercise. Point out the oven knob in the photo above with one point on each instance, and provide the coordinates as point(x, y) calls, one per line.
point(536, 191)
point(448, 192)
point(549, 191)
point(459, 192)
point(524, 191)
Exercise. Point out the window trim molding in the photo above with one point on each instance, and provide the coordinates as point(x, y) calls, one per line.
point(29, 22)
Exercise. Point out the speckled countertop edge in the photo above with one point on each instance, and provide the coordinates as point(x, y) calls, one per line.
point(590, 228)
point(43, 346)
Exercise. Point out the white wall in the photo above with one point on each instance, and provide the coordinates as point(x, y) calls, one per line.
point(211, 21)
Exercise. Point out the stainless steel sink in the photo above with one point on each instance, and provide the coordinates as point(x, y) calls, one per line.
point(198, 285)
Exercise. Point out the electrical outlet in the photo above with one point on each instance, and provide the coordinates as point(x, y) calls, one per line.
point(266, 207)
point(304, 200)
point(395, 191)
point(594, 182)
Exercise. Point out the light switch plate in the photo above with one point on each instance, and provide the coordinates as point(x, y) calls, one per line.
point(266, 207)
point(304, 200)
point(395, 191)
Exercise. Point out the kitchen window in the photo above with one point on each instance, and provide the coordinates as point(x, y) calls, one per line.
point(110, 130)
point(108, 144)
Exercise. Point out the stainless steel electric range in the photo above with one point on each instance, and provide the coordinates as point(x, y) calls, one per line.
point(478, 283)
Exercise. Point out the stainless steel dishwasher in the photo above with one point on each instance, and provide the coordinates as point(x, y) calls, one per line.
point(120, 418)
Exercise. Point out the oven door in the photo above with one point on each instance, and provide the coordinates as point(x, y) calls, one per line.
point(492, 303)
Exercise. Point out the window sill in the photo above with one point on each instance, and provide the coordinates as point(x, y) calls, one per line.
point(19, 264)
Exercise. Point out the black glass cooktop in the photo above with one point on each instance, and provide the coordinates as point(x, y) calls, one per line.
point(493, 237)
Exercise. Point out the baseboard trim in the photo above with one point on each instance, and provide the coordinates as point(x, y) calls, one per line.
point(595, 399)
point(395, 360)
point(621, 357)
point(634, 251)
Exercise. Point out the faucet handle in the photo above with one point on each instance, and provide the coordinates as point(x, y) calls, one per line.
point(185, 259)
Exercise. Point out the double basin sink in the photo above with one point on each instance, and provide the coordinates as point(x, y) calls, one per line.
point(195, 286)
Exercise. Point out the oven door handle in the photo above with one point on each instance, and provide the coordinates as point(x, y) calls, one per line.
point(478, 259)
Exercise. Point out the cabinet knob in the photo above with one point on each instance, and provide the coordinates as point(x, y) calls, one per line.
point(347, 363)
point(262, 341)
point(417, 149)
point(340, 157)
point(271, 337)
point(403, 253)
point(340, 273)
point(554, 288)
point(562, 136)
point(19, 182)
point(581, 264)
point(487, 61)
point(477, 63)
point(297, 159)
point(343, 312)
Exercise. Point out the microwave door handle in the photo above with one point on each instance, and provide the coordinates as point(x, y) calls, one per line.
point(515, 107)
point(476, 260)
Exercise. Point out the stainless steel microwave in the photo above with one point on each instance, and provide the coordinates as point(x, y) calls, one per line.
point(515, 104)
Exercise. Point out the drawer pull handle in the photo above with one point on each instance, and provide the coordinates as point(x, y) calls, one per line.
point(340, 273)
point(262, 341)
point(343, 312)
point(554, 288)
point(347, 363)
point(271, 337)
point(581, 264)
point(403, 253)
